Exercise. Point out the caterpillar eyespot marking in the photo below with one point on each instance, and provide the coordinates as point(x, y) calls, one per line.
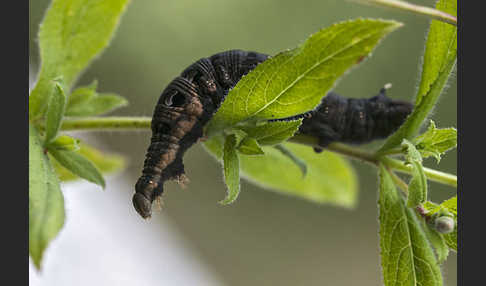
point(189, 101)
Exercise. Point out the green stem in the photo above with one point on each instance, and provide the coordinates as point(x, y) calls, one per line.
point(134, 123)
point(416, 9)
point(355, 153)
point(433, 175)
point(393, 151)
point(105, 123)
point(373, 158)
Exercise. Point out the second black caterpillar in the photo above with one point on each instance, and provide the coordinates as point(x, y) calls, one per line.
point(191, 99)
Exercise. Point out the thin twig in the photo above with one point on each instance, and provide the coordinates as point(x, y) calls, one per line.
point(433, 175)
point(362, 155)
point(106, 123)
point(413, 8)
point(115, 123)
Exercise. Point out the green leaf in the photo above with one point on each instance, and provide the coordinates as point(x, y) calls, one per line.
point(85, 101)
point(451, 239)
point(411, 153)
point(81, 95)
point(98, 105)
point(329, 179)
point(450, 206)
point(240, 135)
point(78, 165)
point(71, 35)
point(55, 112)
point(231, 167)
point(249, 146)
point(431, 207)
point(437, 240)
point(435, 142)
point(406, 255)
point(65, 142)
point(214, 146)
point(294, 81)
point(46, 202)
point(440, 49)
point(106, 163)
point(417, 187)
point(438, 62)
point(272, 133)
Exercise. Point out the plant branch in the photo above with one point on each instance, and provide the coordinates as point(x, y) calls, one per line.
point(394, 151)
point(434, 175)
point(355, 153)
point(133, 123)
point(105, 123)
point(417, 9)
point(366, 156)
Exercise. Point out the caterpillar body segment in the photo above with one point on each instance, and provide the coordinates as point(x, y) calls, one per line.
point(189, 101)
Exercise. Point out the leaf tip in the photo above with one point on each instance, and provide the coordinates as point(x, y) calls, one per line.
point(102, 183)
point(227, 201)
point(393, 24)
point(36, 261)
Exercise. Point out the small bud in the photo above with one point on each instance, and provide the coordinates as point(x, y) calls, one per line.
point(444, 224)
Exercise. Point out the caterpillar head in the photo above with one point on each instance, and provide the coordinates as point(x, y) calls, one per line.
point(143, 198)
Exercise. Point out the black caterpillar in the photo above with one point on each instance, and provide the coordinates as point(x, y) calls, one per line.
point(190, 100)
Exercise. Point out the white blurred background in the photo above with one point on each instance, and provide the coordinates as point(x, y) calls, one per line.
point(105, 242)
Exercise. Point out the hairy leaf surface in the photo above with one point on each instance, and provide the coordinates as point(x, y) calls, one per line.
point(438, 62)
point(435, 142)
point(106, 163)
point(272, 133)
point(231, 169)
point(406, 255)
point(250, 146)
point(86, 101)
point(329, 179)
point(294, 81)
point(417, 187)
point(55, 112)
point(46, 202)
point(438, 241)
point(71, 35)
point(79, 165)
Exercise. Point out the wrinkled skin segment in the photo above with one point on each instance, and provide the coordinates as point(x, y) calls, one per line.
point(355, 121)
point(190, 100)
point(177, 123)
point(183, 109)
